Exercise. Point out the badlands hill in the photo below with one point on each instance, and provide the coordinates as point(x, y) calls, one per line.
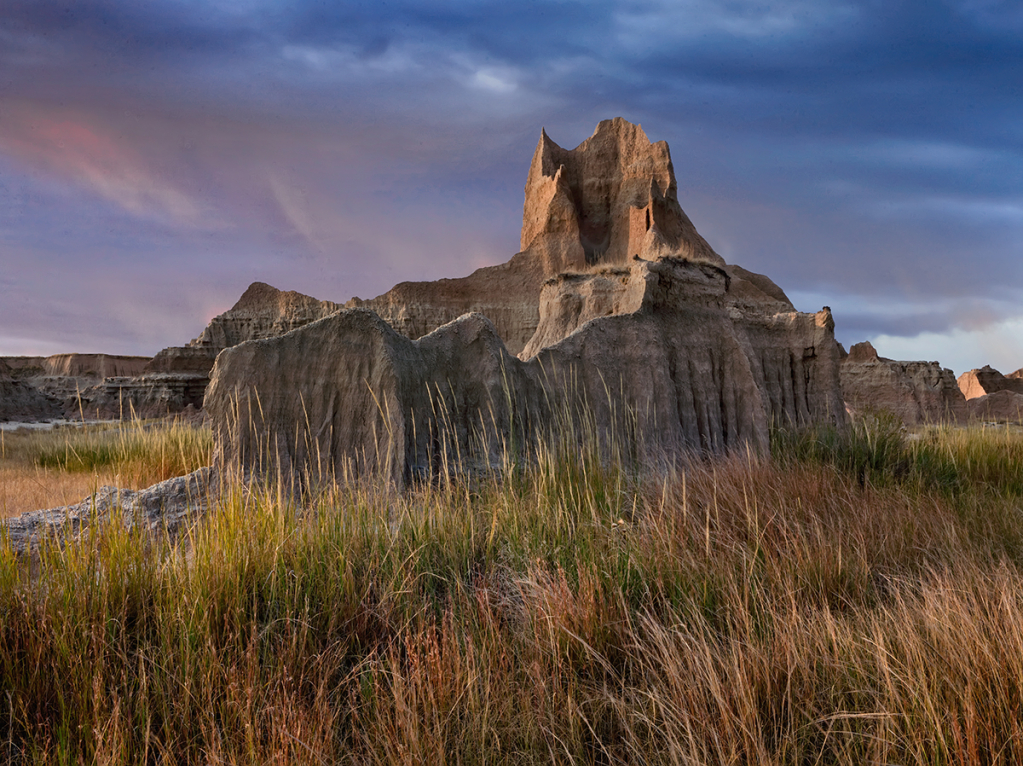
point(916, 392)
point(991, 396)
point(601, 224)
point(616, 316)
point(612, 197)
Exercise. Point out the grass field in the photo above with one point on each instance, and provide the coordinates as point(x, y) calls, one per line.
point(48, 469)
point(852, 598)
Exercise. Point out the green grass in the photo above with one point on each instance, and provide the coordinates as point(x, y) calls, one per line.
point(854, 598)
point(156, 449)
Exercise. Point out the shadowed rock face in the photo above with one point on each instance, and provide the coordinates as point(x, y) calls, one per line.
point(916, 392)
point(988, 380)
point(672, 370)
point(1002, 406)
point(23, 402)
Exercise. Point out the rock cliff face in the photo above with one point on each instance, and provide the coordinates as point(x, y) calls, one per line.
point(508, 294)
point(916, 392)
point(793, 356)
point(672, 370)
point(612, 197)
point(20, 401)
point(263, 311)
point(988, 380)
point(76, 365)
point(95, 365)
point(1002, 406)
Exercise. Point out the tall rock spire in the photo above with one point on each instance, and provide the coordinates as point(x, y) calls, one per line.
point(612, 197)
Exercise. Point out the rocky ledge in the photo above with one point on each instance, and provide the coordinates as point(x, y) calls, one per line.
point(170, 505)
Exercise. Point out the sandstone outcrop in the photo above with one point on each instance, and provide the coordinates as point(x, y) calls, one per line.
point(612, 197)
point(988, 380)
point(1002, 406)
point(793, 356)
point(508, 294)
point(916, 392)
point(672, 368)
point(183, 360)
point(263, 311)
point(76, 365)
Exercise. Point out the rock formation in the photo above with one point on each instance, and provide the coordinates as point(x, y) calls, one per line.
point(793, 356)
point(672, 366)
point(916, 392)
point(20, 401)
point(168, 506)
point(76, 365)
point(988, 380)
point(1003, 406)
point(605, 217)
point(612, 197)
point(263, 311)
point(94, 386)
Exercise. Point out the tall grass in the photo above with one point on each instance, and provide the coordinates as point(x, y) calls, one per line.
point(794, 609)
point(47, 469)
point(138, 450)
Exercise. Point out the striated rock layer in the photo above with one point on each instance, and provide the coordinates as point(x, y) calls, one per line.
point(612, 197)
point(20, 401)
point(76, 365)
point(263, 311)
point(916, 392)
point(672, 367)
point(1002, 406)
point(793, 356)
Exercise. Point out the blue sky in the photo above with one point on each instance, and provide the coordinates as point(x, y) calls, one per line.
point(156, 158)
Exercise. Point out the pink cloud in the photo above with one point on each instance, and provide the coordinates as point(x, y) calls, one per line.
point(70, 146)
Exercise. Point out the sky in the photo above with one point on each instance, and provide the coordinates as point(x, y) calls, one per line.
point(158, 157)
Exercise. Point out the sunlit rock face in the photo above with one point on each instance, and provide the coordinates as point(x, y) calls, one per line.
point(988, 380)
point(612, 197)
point(915, 392)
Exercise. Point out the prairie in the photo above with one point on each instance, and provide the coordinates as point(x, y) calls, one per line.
point(48, 469)
point(850, 598)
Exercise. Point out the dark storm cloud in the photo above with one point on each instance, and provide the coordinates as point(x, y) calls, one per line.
point(869, 150)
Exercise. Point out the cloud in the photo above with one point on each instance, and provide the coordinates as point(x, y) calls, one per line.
point(865, 154)
point(998, 345)
point(65, 144)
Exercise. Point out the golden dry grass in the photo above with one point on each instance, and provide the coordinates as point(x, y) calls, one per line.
point(31, 488)
point(48, 469)
point(849, 601)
